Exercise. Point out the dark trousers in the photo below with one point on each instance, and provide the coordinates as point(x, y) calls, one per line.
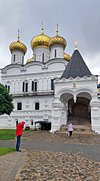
point(18, 143)
point(70, 133)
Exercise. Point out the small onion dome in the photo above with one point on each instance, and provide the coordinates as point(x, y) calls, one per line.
point(57, 40)
point(98, 86)
point(18, 46)
point(67, 57)
point(41, 40)
point(29, 60)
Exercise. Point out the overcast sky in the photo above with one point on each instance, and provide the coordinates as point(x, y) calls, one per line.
point(77, 19)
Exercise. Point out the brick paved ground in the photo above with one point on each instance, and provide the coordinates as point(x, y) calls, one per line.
point(9, 165)
point(50, 166)
point(53, 157)
point(61, 137)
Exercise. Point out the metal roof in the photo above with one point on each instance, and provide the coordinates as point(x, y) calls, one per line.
point(76, 67)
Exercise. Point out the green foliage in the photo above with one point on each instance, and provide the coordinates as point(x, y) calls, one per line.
point(6, 105)
point(6, 134)
point(5, 150)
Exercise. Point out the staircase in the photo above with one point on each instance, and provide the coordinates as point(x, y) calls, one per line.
point(80, 126)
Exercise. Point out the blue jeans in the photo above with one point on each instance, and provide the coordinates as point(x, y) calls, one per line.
point(18, 143)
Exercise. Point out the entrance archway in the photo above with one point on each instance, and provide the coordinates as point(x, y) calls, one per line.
point(79, 112)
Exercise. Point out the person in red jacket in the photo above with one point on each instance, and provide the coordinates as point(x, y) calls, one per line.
point(19, 130)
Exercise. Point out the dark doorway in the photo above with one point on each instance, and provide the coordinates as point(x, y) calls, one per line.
point(79, 112)
point(44, 125)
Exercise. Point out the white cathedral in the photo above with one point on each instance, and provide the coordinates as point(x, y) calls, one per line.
point(51, 86)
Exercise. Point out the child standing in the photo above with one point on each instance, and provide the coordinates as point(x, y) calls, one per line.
point(70, 129)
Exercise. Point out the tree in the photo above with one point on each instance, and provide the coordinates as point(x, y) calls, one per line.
point(6, 105)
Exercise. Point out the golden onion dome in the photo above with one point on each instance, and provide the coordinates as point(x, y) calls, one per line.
point(57, 40)
point(29, 60)
point(41, 40)
point(18, 45)
point(67, 57)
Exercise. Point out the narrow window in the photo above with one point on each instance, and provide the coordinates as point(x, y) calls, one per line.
point(22, 59)
point(55, 53)
point(37, 106)
point(35, 86)
point(26, 87)
point(14, 57)
point(19, 106)
point(23, 86)
point(43, 57)
point(32, 85)
point(8, 88)
point(52, 84)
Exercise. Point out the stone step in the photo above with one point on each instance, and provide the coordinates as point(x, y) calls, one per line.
point(78, 132)
point(79, 120)
point(78, 129)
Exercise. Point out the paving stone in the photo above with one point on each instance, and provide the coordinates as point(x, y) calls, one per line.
point(61, 137)
point(56, 157)
point(48, 166)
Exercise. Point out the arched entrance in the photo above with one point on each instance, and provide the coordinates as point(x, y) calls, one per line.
point(78, 110)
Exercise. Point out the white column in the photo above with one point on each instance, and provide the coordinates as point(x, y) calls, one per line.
point(63, 114)
point(56, 115)
point(95, 114)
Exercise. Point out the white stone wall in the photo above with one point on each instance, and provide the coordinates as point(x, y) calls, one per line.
point(95, 114)
point(38, 52)
point(19, 57)
point(15, 75)
point(59, 52)
point(28, 112)
point(77, 85)
point(86, 87)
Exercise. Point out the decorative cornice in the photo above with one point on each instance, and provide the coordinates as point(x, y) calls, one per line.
point(77, 79)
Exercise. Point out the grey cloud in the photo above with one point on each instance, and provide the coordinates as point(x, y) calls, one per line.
point(78, 20)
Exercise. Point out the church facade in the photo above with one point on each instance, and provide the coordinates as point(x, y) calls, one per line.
point(51, 86)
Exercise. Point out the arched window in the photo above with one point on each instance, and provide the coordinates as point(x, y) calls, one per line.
point(14, 57)
point(43, 57)
point(7, 86)
point(55, 53)
point(22, 59)
point(34, 86)
point(25, 86)
point(52, 84)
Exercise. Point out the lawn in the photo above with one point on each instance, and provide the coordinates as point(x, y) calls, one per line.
point(6, 134)
point(4, 151)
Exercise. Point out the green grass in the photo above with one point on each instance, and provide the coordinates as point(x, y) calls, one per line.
point(4, 151)
point(6, 134)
